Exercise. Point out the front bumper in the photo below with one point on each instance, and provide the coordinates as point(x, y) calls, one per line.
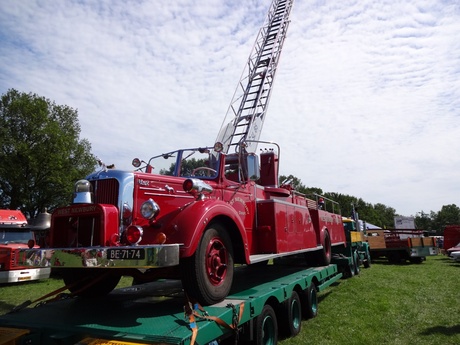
point(22, 275)
point(102, 257)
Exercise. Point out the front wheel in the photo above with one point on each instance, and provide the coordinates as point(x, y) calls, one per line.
point(207, 275)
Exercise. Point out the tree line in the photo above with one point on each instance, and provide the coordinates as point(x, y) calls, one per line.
point(379, 214)
point(42, 155)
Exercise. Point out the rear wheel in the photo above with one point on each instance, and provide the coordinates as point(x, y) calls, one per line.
point(394, 258)
point(417, 260)
point(90, 282)
point(323, 257)
point(266, 332)
point(208, 274)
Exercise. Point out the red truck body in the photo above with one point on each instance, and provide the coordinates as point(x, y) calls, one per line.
point(16, 235)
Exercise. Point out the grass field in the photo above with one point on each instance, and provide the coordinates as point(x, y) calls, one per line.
point(385, 304)
point(390, 304)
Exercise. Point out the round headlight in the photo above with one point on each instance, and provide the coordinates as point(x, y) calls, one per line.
point(150, 209)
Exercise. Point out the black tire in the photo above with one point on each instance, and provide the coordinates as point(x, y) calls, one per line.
point(207, 275)
point(394, 258)
point(266, 327)
point(417, 260)
point(291, 311)
point(367, 260)
point(356, 263)
point(323, 256)
point(89, 283)
point(311, 305)
point(349, 271)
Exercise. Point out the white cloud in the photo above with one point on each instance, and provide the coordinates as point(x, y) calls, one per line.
point(366, 101)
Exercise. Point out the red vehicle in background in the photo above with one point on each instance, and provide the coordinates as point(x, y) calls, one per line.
point(451, 239)
point(17, 234)
point(195, 213)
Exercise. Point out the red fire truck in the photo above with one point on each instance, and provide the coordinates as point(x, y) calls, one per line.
point(195, 213)
point(16, 234)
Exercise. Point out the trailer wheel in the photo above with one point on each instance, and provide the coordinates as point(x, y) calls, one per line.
point(208, 274)
point(291, 310)
point(311, 307)
point(83, 283)
point(266, 332)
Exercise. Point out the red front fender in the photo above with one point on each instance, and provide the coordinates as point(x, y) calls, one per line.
point(191, 222)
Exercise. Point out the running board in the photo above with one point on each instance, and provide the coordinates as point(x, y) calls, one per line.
point(264, 257)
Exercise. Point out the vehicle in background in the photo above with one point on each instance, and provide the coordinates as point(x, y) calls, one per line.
point(453, 249)
point(349, 258)
point(399, 245)
point(16, 234)
point(455, 255)
point(359, 247)
point(451, 237)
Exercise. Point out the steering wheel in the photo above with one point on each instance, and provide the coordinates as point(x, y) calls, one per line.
point(209, 170)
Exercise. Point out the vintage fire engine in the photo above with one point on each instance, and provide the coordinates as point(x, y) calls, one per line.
point(195, 213)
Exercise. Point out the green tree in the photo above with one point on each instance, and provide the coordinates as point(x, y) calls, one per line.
point(41, 155)
point(424, 220)
point(187, 167)
point(378, 214)
point(449, 214)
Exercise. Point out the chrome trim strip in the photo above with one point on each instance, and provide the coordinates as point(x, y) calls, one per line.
point(149, 257)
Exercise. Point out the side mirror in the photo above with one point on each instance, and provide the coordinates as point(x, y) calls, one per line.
point(253, 167)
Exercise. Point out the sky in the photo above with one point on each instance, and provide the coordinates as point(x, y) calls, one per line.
point(366, 100)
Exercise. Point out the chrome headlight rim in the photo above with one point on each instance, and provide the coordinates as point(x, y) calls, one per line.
point(150, 209)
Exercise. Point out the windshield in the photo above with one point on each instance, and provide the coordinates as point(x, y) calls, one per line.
point(15, 236)
point(198, 162)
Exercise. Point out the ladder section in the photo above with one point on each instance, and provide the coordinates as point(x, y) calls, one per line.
point(246, 113)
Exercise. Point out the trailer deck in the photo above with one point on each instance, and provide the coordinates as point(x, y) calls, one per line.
point(153, 313)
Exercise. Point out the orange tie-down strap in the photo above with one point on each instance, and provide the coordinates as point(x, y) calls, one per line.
point(194, 311)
